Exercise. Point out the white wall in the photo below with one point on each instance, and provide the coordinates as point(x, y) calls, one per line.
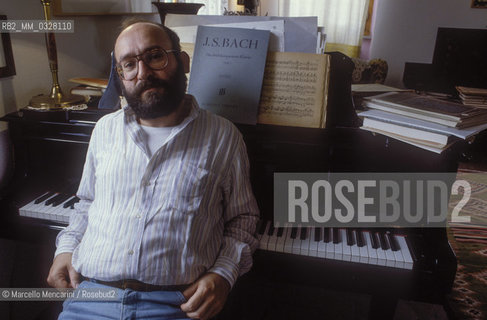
point(405, 30)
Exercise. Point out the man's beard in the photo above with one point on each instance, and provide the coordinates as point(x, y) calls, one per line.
point(156, 104)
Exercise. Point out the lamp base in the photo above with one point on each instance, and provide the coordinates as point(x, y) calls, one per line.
point(45, 102)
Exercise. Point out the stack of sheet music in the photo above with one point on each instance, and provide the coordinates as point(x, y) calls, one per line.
point(476, 97)
point(426, 122)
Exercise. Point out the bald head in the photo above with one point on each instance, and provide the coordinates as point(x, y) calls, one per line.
point(139, 37)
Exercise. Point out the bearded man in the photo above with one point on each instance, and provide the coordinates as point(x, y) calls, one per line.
point(167, 215)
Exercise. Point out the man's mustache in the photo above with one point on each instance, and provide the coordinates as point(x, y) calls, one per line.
point(149, 84)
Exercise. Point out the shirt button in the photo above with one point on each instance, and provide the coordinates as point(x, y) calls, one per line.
point(138, 216)
point(131, 252)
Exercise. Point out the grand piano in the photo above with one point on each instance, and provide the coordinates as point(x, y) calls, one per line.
point(294, 268)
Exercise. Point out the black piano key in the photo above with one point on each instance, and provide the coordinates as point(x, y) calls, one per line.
point(263, 225)
point(44, 197)
point(270, 232)
point(360, 238)
point(53, 199)
point(326, 235)
point(336, 235)
point(294, 232)
point(280, 232)
point(71, 203)
point(317, 234)
point(61, 200)
point(392, 241)
point(373, 240)
point(412, 249)
point(304, 233)
point(350, 239)
point(383, 242)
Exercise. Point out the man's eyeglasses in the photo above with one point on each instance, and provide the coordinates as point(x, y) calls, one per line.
point(156, 59)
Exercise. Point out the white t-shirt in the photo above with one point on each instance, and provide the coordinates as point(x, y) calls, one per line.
point(156, 136)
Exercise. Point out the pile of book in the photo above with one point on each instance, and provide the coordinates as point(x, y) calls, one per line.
point(476, 97)
point(90, 88)
point(423, 121)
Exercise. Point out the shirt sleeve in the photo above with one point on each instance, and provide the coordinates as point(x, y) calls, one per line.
point(240, 215)
point(68, 239)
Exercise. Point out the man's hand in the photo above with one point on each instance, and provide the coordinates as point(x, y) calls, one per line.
point(62, 273)
point(206, 297)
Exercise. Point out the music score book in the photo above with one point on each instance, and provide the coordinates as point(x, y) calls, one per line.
point(295, 90)
point(227, 71)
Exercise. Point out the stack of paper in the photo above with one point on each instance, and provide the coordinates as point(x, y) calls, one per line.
point(476, 97)
point(320, 40)
point(425, 122)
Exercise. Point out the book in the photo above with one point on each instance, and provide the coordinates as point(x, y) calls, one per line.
point(362, 90)
point(433, 139)
point(427, 108)
point(462, 133)
point(93, 82)
point(412, 141)
point(87, 91)
point(295, 90)
point(476, 97)
point(227, 71)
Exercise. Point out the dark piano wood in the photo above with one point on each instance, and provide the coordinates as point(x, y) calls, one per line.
point(49, 155)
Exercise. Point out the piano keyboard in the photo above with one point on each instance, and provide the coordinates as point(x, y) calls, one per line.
point(360, 246)
point(52, 206)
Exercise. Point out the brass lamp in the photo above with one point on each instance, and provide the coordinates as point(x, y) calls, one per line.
point(56, 100)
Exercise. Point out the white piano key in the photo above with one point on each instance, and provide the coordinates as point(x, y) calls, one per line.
point(347, 253)
point(281, 240)
point(330, 246)
point(313, 244)
point(322, 246)
point(26, 209)
point(329, 250)
point(370, 250)
point(408, 260)
point(288, 244)
point(67, 212)
point(338, 249)
point(41, 208)
point(354, 249)
point(306, 243)
point(363, 251)
point(398, 256)
point(62, 214)
point(297, 242)
point(271, 245)
point(265, 238)
point(390, 259)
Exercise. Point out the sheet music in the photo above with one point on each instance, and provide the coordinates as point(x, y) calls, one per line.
point(293, 92)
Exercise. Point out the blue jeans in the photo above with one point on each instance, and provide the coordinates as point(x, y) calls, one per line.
point(129, 305)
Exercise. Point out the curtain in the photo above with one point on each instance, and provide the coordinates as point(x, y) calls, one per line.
point(344, 20)
point(213, 7)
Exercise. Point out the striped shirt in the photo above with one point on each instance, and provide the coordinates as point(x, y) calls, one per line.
point(165, 219)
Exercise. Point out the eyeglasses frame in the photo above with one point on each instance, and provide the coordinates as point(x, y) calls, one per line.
point(138, 57)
